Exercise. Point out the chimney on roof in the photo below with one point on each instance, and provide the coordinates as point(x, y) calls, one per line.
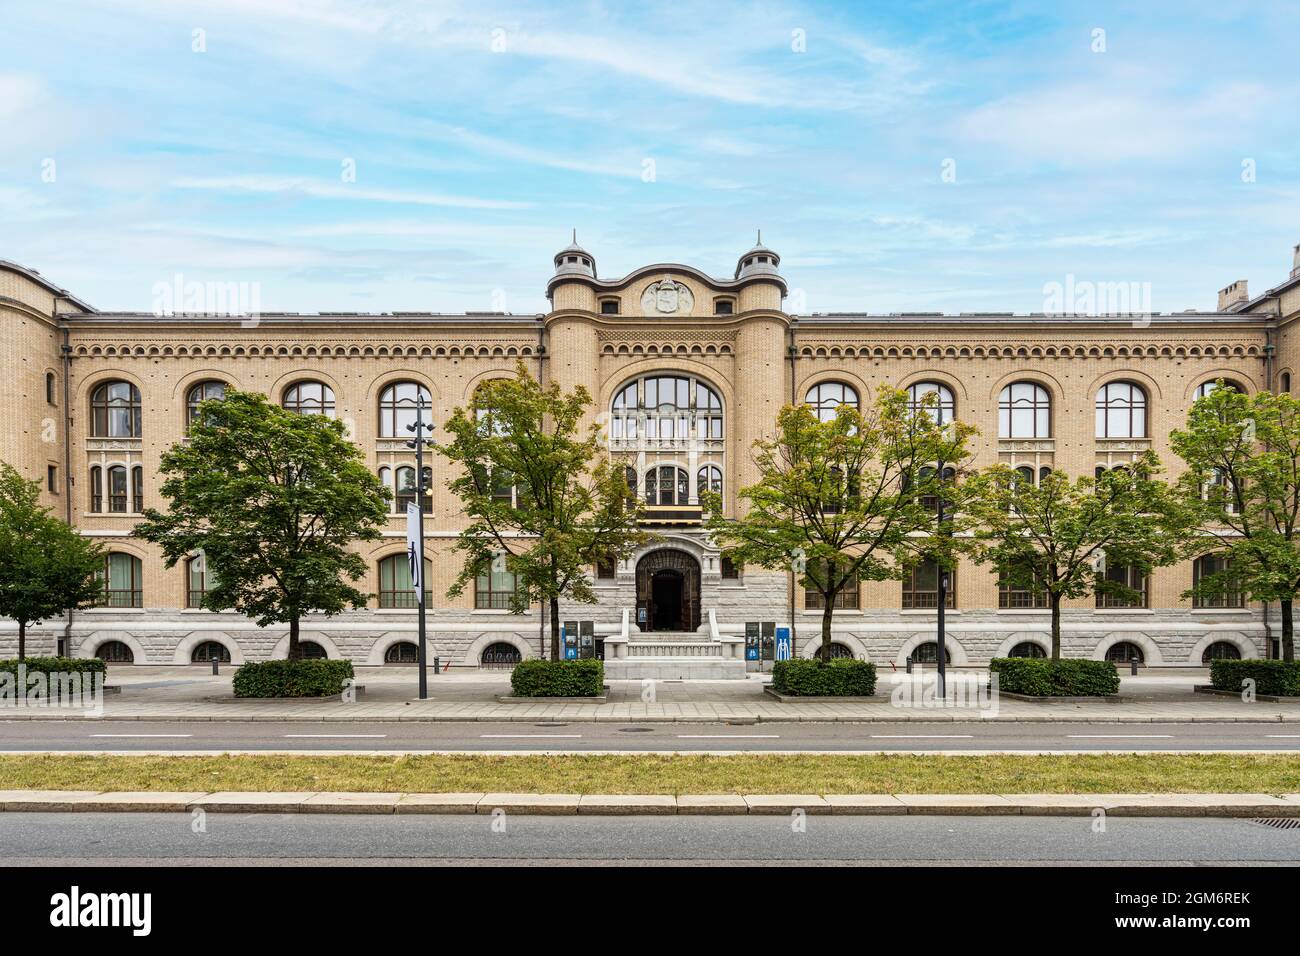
point(1233, 296)
point(1295, 262)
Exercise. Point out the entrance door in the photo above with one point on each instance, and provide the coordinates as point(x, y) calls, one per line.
point(668, 591)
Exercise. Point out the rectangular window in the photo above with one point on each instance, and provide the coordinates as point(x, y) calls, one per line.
point(494, 590)
point(121, 580)
point(730, 569)
point(117, 490)
point(52, 479)
point(609, 307)
point(97, 490)
point(846, 599)
point(137, 490)
point(921, 587)
point(1202, 568)
point(606, 568)
point(1130, 577)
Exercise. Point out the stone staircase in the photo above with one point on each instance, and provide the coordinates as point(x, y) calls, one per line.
point(674, 655)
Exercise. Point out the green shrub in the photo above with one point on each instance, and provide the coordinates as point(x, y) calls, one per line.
point(538, 678)
point(1274, 678)
point(1044, 677)
point(841, 677)
point(56, 665)
point(313, 678)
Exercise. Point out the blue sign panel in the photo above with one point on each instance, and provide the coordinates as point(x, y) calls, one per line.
point(783, 648)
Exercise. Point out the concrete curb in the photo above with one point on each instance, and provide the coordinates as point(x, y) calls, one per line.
point(726, 804)
point(748, 719)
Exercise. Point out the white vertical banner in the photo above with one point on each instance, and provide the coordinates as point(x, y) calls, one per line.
point(413, 555)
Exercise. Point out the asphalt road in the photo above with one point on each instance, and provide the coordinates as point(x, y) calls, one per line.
point(272, 840)
point(585, 737)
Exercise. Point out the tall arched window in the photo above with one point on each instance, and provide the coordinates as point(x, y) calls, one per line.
point(827, 397)
point(1215, 569)
point(709, 478)
point(198, 579)
point(942, 408)
point(1121, 411)
point(395, 586)
point(309, 398)
point(96, 489)
point(115, 411)
point(667, 485)
point(202, 392)
point(121, 579)
point(1205, 388)
point(1024, 411)
point(117, 489)
point(404, 489)
point(397, 408)
point(137, 489)
point(51, 388)
point(666, 407)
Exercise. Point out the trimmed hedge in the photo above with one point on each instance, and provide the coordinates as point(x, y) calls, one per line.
point(841, 677)
point(1044, 677)
point(56, 665)
point(1274, 678)
point(538, 678)
point(312, 678)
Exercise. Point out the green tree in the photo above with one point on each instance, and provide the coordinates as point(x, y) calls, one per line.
point(45, 566)
point(1056, 537)
point(1243, 485)
point(274, 501)
point(845, 500)
point(543, 500)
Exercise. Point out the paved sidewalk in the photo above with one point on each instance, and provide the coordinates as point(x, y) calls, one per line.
point(192, 693)
point(718, 804)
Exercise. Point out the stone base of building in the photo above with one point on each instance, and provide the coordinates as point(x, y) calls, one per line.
point(682, 668)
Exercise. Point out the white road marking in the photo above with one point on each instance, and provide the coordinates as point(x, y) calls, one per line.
point(1285, 736)
point(922, 736)
point(1121, 736)
point(529, 736)
point(142, 735)
point(334, 736)
point(728, 736)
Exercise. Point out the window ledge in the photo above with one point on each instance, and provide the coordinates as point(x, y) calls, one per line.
point(1123, 610)
point(1025, 611)
point(1221, 610)
point(816, 612)
point(928, 612)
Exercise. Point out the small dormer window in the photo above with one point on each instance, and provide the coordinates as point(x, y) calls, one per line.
point(586, 262)
point(762, 258)
point(570, 258)
point(609, 307)
point(724, 307)
point(749, 261)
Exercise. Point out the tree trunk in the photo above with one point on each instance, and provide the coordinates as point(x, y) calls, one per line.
point(1056, 625)
point(295, 651)
point(555, 629)
point(1288, 632)
point(824, 652)
point(22, 640)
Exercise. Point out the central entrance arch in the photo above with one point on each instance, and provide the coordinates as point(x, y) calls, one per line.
point(668, 591)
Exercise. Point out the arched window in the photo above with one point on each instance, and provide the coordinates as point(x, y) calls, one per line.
point(1024, 411)
point(942, 408)
point(121, 580)
point(117, 489)
point(395, 586)
point(1017, 590)
point(402, 652)
point(1121, 411)
point(51, 388)
point(1206, 388)
point(667, 485)
point(404, 489)
point(1123, 652)
point(500, 655)
point(629, 476)
point(1027, 649)
point(1221, 651)
point(309, 398)
point(312, 651)
point(202, 392)
point(1130, 577)
point(840, 651)
point(827, 397)
point(115, 411)
point(1214, 570)
point(137, 489)
point(210, 651)
point(494, 590)
point(397, 408)
point(660, 408)
point(927, 653)
point(1286, 383)
point(709, 478)
point(115, 652)
point(199, 580)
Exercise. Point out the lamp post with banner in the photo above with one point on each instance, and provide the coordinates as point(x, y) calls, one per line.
point(415, 536)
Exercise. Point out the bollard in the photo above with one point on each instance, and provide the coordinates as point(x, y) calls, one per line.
point(436, 666)
point(909, 663)
point(1133, 666)
point(215, 662)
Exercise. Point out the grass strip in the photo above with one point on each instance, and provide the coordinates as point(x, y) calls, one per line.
point(671, 774)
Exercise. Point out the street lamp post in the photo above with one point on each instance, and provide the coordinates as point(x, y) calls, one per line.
point(417, 558)
point(942, 595)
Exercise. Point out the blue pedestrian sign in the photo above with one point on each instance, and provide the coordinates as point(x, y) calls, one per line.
point(783, 648)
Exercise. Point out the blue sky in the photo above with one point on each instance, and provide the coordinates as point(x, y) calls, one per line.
point(482, 132)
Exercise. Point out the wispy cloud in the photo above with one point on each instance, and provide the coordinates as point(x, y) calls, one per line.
point(322, 190)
